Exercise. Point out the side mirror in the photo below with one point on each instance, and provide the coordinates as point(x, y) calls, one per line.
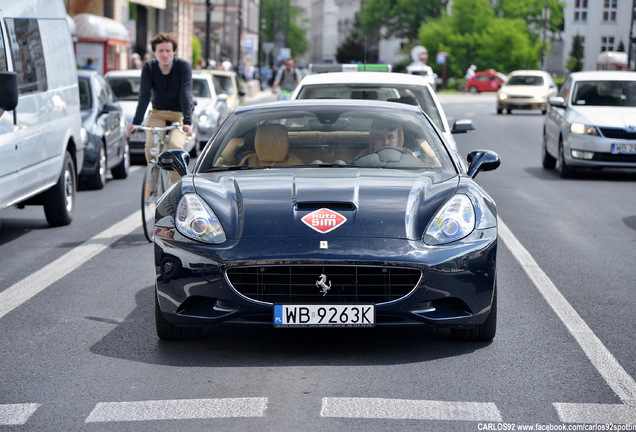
point(109, 108)
point(463, 126)
point(174, 160)
point(8, 90)
point(482, 160)
point(557, 101)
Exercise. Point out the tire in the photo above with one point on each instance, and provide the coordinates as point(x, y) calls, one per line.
point(564, 170)
point(499, 110)
point(97, 180)
point(152, 189)
point(508, 111)
point(121, 170)
point(59, 201)
point(547, 160)
point(169, 331)
point(484, 332)
point(473, 90)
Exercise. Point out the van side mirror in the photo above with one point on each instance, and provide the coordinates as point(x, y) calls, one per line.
point(8, 90)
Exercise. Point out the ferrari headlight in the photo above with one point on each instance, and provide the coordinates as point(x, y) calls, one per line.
point(195, 220)
point(582, 129)
point(454, 221)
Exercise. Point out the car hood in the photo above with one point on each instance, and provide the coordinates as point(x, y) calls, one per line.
point(607, 116)
point(375, 202)
point(129, 108)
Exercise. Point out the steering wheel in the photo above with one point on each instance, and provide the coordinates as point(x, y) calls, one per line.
point(400, 149)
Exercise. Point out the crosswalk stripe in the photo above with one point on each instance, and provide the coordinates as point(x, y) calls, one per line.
point(353, 407)
point(16, 414)
point(180, 409)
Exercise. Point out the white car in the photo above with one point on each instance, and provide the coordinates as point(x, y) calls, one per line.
point(125, 84)
point(210, 109)
point(591, 123)
point(527, 90)
point(385, 86)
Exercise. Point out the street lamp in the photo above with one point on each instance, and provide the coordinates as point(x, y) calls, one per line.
point(208, 12)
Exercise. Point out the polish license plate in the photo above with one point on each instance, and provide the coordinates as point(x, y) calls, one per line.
point(626, 148)
point(324, 315)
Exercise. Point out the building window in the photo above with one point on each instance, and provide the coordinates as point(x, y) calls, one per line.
point(580, 10)
point(609, 11)
point(607, 43)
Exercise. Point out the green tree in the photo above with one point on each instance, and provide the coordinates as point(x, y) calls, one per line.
point(475, 34)
point(402, 18)
point(196, 51)
point(532, 12)
point(575, 61)
point(281, 18)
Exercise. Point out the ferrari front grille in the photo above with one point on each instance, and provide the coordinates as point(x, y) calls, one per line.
point(324, 284)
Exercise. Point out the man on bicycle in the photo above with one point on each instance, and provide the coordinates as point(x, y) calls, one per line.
point(287, 77)
point(167, 81)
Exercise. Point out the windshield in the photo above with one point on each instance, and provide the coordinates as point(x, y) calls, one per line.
point(200, 88)
point(223, 84)
point(125, 88)
point(605, 93)
point(525, 80)
point(85, 93)
point(410, 94)
point(328, 135)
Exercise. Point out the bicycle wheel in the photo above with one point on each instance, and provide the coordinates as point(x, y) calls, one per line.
point(152, 189)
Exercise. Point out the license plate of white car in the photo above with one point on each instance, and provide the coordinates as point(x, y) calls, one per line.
point(324, 315)
point(623, 148)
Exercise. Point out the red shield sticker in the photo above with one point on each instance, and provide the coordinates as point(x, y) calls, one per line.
point(324, 220)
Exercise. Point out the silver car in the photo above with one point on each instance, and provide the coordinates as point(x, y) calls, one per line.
point(591, 123)
point(210, 109)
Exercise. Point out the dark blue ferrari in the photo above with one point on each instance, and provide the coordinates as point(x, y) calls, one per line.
point(327, 213)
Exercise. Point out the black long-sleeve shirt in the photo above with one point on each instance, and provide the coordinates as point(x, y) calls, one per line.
point(171, 92)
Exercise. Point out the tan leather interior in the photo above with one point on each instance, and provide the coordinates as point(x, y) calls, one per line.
point(271, 144)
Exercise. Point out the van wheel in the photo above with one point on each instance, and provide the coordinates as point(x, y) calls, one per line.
point(121, 170)
point(59, 201)
point(97, 180)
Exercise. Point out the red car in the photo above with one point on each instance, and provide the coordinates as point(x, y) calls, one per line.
point(485, 81)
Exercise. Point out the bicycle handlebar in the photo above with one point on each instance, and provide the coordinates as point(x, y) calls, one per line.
point(157, 129)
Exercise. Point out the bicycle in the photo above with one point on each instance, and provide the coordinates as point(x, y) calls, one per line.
point(156, 180)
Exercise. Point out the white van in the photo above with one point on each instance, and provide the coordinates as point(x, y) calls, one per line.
point(40, 147)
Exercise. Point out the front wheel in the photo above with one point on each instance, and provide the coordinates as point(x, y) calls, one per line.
point(547, 160)
point(152, 189)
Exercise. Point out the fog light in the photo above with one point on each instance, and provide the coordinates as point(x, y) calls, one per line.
point(578, 154)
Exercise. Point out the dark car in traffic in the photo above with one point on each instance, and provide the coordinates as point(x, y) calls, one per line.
point(103, 131)
point(327, 213)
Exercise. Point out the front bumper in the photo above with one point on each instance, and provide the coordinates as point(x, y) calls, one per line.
point(588, 151)
point(453, 288)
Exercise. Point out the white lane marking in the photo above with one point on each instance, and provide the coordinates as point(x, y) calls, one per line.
point(596, 413)
point(16, 414)
point(408, 409)
point(27, 288)
point(178, 409)
point(602, 359)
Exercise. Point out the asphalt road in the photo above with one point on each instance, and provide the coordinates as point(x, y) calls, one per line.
point(79, 351)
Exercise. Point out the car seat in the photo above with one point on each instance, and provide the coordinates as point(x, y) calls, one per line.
point(271, 145)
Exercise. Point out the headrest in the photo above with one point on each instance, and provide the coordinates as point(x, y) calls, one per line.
point(271, 143)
